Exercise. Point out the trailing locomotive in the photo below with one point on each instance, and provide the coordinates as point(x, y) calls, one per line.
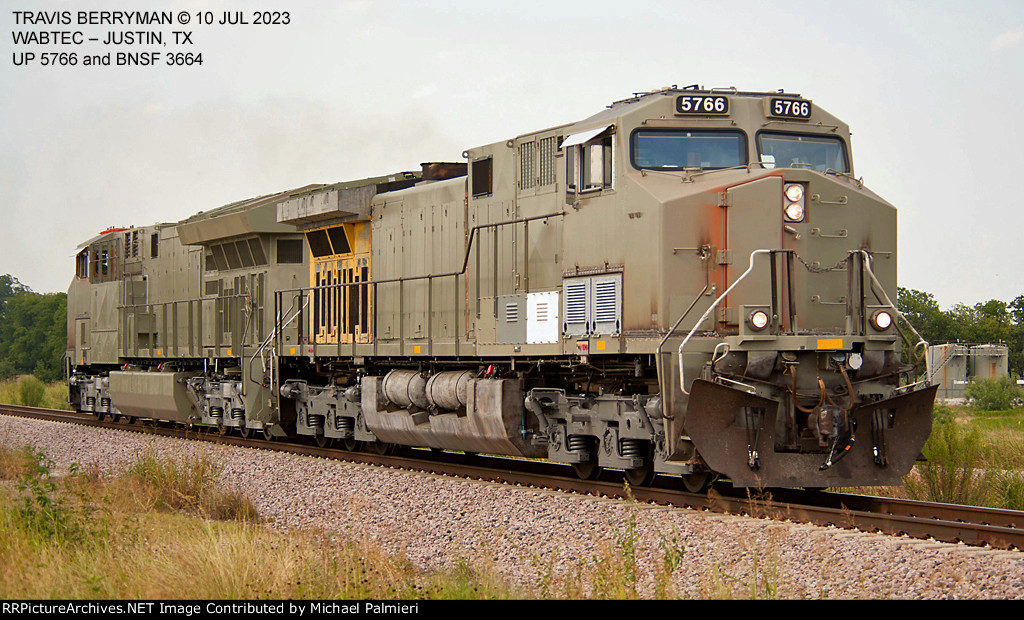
point(690, 282)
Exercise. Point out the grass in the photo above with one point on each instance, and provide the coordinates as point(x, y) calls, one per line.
point(165, 530)
point(974, 457)
point(1002, 436)
point(954, 472)
point(165, 485)
point(14, 462)
point(29, 391)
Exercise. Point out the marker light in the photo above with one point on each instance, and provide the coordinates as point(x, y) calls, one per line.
point(881, 320)
point(758, 319)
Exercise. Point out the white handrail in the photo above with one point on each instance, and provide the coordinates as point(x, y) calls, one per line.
point(682, 379)
point(921, 340)
point(867, 265)
point(273, 334)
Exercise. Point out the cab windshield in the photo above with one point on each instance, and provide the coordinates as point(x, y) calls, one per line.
point(671, 149)
point(817, 152)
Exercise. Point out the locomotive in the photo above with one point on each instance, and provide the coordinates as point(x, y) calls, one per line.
point(691, 282)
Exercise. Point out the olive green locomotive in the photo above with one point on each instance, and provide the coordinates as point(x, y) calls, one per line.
point(690, 282)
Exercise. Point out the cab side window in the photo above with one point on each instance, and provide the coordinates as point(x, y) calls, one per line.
point(82, 265)
point(482, 175)
point(588, 166)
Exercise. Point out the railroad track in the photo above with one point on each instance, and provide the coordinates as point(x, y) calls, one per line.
point(971, 525)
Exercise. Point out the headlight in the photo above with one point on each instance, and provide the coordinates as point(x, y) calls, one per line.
point(881, 320)
point(793, 195)
point(758, 319)
point(794, 212)
point(795, 192)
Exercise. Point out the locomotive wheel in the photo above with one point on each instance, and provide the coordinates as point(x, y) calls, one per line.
point(129, 419)
point(641, 476)
point(381, 448)
point(351, 444)
point(266, 434)
point(101, 415)
point(115, 417)
point(322, 441)
point(587, 470)
point(697, 482)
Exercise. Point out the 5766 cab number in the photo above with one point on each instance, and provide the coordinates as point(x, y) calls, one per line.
point(789, 108)
point(702, 104)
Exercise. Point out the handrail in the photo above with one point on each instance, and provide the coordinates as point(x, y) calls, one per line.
point(429, 277)
point(867, 266)
point(704, 253)
point(278, 326)
point(152, 307)
point(465, 260)
point(682, 378)
point(182, 301)
point(950, 354)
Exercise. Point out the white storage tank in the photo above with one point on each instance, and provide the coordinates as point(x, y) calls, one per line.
point(990, 361)
point(947, 366)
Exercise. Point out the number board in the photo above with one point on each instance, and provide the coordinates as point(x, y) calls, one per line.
point(702, 104)
point(789, 108)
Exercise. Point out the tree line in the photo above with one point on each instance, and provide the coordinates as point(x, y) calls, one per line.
point(993, 321)
point(33, 331)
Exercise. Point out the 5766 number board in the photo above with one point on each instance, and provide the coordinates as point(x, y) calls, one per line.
point(789, 108)
point(702, 104)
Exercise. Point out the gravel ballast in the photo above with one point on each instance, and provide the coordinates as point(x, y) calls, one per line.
point(532, 536)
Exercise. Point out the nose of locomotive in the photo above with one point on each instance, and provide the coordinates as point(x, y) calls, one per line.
point(806, 264)
point(736, 434)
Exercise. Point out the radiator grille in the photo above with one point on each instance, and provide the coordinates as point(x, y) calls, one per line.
point(527, 171)
point(548, 147)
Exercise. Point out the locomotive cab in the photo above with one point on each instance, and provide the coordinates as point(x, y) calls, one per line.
point(795, 346)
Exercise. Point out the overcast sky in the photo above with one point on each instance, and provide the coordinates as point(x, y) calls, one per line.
point(932, 92)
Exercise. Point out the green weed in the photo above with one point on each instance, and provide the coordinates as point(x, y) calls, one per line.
point(672, 552)
point(994, 394)
point(31, 391)
point(954, 472)
point(46, 514)
point(1008, 489)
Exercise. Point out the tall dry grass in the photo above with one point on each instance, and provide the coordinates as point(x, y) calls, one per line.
point(188, 485)
point(31, 392)
point(164, 529)
point(972, 457)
